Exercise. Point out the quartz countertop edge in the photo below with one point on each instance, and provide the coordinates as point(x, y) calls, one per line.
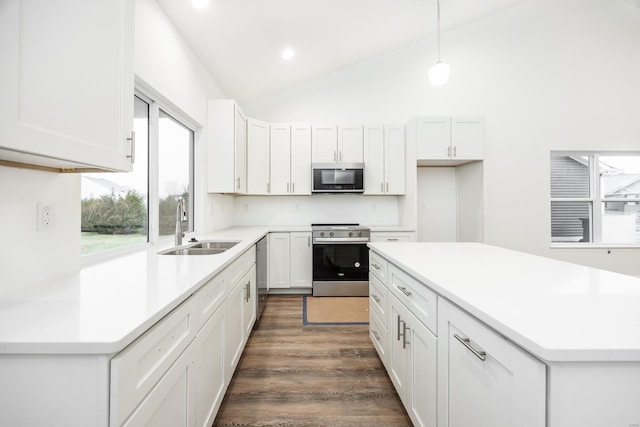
point(107, 305)
point(555, 310)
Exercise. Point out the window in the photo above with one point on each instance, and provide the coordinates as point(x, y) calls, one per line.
point(595, 198)
point(120, 210)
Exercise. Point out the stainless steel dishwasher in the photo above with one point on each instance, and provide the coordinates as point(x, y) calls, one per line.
point(262, 260)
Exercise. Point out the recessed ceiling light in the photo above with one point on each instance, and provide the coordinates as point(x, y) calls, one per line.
point(288, 53)
point(200, 4)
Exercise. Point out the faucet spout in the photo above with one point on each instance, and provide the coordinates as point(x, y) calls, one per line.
point(179, 215)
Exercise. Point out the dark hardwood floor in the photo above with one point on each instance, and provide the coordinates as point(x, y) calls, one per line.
point(294, 375)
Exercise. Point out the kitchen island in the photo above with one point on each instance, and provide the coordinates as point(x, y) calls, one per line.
point(138, 339)
point(504, 338)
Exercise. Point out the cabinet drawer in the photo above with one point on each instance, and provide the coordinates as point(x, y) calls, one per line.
point(208, 298)
point(377, 297)
point(379, 336)
point(400, 236)
point(378, 266)
point(419, 299)
point(136, 369)
point(248, 259)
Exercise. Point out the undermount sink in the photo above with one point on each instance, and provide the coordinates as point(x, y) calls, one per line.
point(205, 247)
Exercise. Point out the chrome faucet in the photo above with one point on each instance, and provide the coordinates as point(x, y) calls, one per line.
point(180, 214)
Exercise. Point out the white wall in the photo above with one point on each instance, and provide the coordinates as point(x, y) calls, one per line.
point(546, 74)
point(27, 256)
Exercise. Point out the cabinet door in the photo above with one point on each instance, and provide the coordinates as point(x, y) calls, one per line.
point(483, 379)
point(421, 374)
point(281, 157)
point(279, 260)
point(467, 138)
point(249, 308)
point(374, 159)
point(394, 159)
point(434, 138)
point(66, 79)
point(234, 329)
point(350, 144)
point(301, 159)
point(240, 161)
point(257, 157)
point(324, 144)
point(398, 355)
point(170, 403)
point(301, 260)
point(209, 380)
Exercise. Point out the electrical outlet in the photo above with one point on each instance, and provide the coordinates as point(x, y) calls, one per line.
point(46, 216)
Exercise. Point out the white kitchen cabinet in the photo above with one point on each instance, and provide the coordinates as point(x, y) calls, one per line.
point(258, 151)
point(290, 159)
point(412, 364)
point(210, 383)
point(290, 260)
point(384, 157)
point(66, 79)
point(337, 144)
point(171, 402)
point(446, 141)
point(300, 259)
point(226, 147)
point(484, 379)
point(393, 236)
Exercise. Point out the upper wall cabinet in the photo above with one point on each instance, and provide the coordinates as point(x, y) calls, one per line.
point(226, 147)
point(445, 141)
point(384, 157)
point(337, 144)
point(290, 159)
point(66, 79)
point(257, 157)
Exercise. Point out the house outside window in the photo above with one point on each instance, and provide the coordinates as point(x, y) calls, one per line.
point(124, 210)
point(595, 198)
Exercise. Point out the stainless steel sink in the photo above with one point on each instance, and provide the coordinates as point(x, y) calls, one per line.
point(205, 247)
point(213, 244)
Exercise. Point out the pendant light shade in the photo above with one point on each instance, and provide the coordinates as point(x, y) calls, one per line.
point(439, 73)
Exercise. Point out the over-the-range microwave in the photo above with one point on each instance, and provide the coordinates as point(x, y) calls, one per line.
point(337, 178)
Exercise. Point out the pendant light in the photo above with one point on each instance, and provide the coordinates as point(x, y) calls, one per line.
point(439, 73)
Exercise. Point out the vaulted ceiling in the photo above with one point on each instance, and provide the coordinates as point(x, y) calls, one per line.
point(241, 41)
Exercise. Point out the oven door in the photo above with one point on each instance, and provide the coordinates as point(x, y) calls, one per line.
point(343, 262)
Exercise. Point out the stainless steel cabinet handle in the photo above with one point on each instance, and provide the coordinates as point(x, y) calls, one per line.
point(340, 156)
point(335, 156)
point(382, 187)
point(248, 291)
point(308, 241)
point(455, 149)
point(399, 327)
point(238, 183)
point(480, 354)
point(375, 297)
point(132, 156)
point(287, 187)
point(404, 290)
point(405, 328)
point(392, 239)
point(449, 151)
point(293, 187)
point(375, 334)
point(387, 190)
point(376, 266)
point(268, 187)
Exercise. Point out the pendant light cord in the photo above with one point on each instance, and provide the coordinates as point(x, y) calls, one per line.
point(438, 2)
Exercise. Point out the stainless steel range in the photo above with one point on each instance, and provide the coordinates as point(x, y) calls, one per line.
point(340, 260)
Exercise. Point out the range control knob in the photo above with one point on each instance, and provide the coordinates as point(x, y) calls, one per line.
point(322, 234)
point(331, 233)
point(351, 234)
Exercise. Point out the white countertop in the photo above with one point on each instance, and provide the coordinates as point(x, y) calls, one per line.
point(557, 311)
point(107, 305)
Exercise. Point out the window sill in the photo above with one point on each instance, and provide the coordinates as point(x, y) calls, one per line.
point(592, 246)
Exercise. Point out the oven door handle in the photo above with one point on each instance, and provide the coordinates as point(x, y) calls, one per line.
point(340, 240)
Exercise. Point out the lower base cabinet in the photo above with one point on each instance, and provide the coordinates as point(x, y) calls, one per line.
point(484, 380)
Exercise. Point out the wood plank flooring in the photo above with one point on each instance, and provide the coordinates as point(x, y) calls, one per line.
point(294, 375)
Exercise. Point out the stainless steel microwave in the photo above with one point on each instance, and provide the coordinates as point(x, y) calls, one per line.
point(337, 177)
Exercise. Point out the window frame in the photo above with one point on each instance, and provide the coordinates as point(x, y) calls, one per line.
point(157, 103)
point(595, 199)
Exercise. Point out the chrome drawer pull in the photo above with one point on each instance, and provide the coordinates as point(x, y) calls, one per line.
point(404, 290)
point(482, 355)
point(404, 335)
point(376, 266)
point(375, 334)
point(375, 297)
